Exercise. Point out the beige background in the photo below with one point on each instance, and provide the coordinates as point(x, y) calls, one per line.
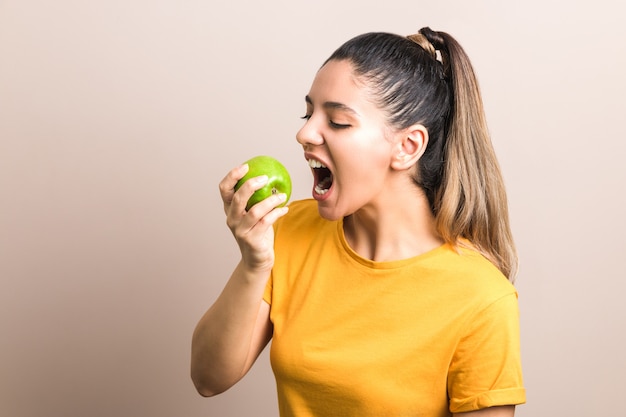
point(118, 118)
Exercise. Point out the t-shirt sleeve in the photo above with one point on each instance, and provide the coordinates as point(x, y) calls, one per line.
point(486, 367)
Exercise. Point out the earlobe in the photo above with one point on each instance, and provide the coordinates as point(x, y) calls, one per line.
point(411, 145)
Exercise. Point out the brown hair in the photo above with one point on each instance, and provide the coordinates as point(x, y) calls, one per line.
point(427, 78)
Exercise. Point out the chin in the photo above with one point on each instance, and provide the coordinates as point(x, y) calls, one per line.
point(328, 213)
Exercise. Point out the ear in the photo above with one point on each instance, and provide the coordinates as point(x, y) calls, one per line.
point(410, 146)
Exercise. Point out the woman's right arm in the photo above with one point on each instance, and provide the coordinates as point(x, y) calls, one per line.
point(235, 329)
point(231, 334)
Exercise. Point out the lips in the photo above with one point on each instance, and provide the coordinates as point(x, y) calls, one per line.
point(322, 175)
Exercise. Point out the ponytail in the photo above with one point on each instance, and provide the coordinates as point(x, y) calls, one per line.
point(471, 201)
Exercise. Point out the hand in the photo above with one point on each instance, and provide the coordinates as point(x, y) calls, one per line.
point(252, 229)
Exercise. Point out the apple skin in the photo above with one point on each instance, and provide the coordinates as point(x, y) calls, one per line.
point(279, 180)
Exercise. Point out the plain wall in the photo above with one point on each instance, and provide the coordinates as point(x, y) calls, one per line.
point(119, 118)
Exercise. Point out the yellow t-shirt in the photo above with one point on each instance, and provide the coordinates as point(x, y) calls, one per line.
point(425, 336)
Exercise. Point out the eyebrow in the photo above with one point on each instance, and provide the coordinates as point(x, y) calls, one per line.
point(333, 105)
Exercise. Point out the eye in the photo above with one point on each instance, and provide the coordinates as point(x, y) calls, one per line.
point(306, 117)
point(338, 125)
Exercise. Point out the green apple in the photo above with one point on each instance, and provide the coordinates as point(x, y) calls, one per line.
point(279, 180)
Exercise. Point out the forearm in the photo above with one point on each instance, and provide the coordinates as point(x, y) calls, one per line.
point(222, 343)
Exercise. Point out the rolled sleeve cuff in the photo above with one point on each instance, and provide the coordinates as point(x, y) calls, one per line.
point(510, 396)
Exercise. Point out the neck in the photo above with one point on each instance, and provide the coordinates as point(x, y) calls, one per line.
point(397, 226)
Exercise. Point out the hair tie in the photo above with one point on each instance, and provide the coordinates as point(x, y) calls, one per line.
point(426, 45)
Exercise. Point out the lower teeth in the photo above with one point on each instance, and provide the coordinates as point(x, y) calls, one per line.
point(323, 187)
point(320, 191)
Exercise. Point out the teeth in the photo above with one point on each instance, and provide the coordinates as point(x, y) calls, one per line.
point(320, 191)
point(323, 187)
point(316, 164)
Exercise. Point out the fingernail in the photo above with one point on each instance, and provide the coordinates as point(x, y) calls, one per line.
point(282, 197)
point(261, 179)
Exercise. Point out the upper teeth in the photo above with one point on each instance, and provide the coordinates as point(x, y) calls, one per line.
point(316, 164)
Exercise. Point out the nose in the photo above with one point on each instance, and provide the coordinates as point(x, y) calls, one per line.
point(309, 135)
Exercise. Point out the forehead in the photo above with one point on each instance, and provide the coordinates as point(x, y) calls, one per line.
point(337, 82)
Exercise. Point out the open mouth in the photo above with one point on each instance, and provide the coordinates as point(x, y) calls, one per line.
point(322, 175)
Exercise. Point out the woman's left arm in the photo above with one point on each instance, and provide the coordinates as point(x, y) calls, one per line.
point(500, 411)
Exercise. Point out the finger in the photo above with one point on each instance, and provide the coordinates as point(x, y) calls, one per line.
point(259, 229)
point(261, 232)
point(265, 206)
point(246, 190)
point(270, 218)
point(227, 184)
point(255, 218)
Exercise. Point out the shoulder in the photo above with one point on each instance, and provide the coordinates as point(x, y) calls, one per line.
point(307, 205)
point(471, 276)
point(302, 214)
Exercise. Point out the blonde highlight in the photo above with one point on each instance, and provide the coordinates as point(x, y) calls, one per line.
point(471, 202)
point(422, 41)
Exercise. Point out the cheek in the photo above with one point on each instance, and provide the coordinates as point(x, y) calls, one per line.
point(364, 168)
point(362, 158)
point(373, 154)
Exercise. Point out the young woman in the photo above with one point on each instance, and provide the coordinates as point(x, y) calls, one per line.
point(386, 294)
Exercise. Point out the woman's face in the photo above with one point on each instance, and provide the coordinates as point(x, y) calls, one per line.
point(345, 142)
